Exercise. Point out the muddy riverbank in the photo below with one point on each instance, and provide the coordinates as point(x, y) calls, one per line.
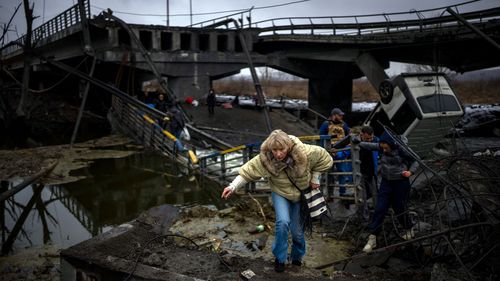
point(22, 163)
point(226, 248)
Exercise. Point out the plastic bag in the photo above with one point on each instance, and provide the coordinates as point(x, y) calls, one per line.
point(185, 134)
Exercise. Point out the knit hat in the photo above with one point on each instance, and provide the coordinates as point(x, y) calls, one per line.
point(385, 137)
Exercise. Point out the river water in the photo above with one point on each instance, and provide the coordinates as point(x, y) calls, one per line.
point(114, 191)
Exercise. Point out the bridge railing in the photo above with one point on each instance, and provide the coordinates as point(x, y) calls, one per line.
point(223, 166)
point(147, 130)
point(64, 20)
point(241, 16)
point(368, 24)
point(83, 215)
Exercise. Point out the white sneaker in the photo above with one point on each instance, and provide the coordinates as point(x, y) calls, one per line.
point(410, 234)
point(370, 244)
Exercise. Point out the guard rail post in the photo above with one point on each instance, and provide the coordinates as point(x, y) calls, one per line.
point(222, 167)
point(356, 172)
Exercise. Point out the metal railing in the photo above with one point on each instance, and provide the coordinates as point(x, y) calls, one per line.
point(79, 211)
point(368, 24)
point(148, 131)
point(63, 21)
point(222, 166)
point(239, 15)
point(381, 23)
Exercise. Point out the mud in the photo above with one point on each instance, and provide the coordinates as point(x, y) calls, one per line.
point(26, 162)
point(245, 125)
point(202, 243)
point(37, 263)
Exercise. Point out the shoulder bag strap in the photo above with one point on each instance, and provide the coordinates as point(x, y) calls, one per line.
point(290, 179)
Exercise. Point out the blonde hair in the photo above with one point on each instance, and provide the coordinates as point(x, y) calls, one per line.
point(279, 140)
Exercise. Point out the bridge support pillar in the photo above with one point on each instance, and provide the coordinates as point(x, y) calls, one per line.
point(372, 69)
point(330, 83)
point(332, 89)
point(156, 40)
point(113, 37)
point(195, 86)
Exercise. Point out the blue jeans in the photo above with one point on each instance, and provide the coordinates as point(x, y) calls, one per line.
point(344, 180)
point(287, 218)
point(392, 193)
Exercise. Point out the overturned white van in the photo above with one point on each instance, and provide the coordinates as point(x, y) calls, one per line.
point(420, 106)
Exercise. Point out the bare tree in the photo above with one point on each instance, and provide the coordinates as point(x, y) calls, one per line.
point(5, 109)
point(28, 52)
point(7, 25)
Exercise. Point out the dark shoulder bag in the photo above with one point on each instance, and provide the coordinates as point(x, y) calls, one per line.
point(312, 205)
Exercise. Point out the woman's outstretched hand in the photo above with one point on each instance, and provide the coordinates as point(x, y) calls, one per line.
point(226, 193)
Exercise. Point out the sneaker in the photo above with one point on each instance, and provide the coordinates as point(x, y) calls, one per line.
point(279, 266)
point(370, 244)
point(410, 234)
point(297, 263)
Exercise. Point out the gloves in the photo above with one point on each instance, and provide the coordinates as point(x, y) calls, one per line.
point(355, 140)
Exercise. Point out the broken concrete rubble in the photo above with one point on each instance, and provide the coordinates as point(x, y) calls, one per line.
point(156, 243)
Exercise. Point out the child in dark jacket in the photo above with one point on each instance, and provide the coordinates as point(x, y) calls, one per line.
point(395, 167)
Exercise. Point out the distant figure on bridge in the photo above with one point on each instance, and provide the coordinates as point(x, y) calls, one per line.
point(236, 101)
point(255, 99)
point(282, 98)
point(289, 165)
point(211, 101)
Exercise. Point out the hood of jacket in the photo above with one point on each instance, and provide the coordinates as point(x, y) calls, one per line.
point(296, 161)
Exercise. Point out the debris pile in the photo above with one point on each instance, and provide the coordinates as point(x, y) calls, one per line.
point(455, 210)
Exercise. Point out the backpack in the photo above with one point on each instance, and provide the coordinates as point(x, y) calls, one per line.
point(336, 130)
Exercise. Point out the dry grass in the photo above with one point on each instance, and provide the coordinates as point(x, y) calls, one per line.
point(480, 91)
point(295, 89)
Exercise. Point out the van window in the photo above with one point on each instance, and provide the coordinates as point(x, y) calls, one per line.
point(403, 118)
point(438, 103)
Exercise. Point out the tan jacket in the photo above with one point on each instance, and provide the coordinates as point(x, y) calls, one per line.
point(307, 159)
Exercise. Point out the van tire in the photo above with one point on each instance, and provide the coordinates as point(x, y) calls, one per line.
point(386, 91)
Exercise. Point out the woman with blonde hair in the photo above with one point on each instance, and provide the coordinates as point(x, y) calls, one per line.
point(286, 163)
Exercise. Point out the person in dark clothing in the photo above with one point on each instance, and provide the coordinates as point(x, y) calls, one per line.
point(176, 122)
point(161, 103)
point(395, 168)
point(337, 129)
point(148, 99)
point(211, 102)
point(369, 165)
point(236, 101)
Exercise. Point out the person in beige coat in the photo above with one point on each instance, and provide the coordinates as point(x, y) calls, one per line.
point(282, 154)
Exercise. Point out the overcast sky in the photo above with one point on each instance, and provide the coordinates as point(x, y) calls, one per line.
point(155, 11)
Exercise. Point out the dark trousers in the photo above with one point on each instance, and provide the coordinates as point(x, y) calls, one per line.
point(211, 110)
point(369, 185)
point(392, 193)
